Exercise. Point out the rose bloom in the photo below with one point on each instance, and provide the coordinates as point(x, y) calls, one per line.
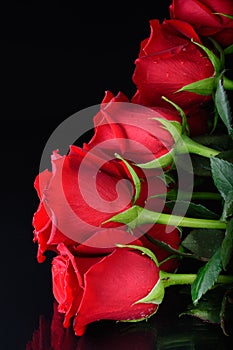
point(76, 197)
point(64, 215)
point(131, 130)
point(101, 288)
point(167, 61)
point(88, 186)
point(202, 15)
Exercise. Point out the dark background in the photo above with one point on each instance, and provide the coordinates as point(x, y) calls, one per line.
point(57, 57)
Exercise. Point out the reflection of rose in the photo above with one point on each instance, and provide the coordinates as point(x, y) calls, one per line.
point(41, 336)
point(109, 287)
point(51, 335)
point(167, 61)
point(115, 337)
point(201, 14)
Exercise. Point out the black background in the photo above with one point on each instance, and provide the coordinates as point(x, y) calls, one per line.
point(57, 57)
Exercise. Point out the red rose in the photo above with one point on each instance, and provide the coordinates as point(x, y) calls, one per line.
point(76, 197)
point(111, 237)
point(54, 223)
point(167, 61)
point(111, 287)
point(82, 190)
point(202, 16)
point(52, 335)
point(45, 234)
point(130, 130)
point(65, 214)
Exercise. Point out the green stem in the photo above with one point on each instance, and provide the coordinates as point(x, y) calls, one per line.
point(136, 216)
point(227, 83)
point(171, 279)
point(190, 146)
point(150, 217)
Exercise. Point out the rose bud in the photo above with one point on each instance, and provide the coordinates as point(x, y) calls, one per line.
point(206, 18)
point(168, 60)
point(124, 285)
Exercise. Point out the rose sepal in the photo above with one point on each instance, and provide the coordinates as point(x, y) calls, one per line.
point(203, 87)
point(155, 296)
point(161, 162)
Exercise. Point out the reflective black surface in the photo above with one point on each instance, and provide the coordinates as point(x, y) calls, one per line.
point(57, 59)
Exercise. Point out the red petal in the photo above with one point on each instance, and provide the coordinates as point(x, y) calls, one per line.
point(113, 286)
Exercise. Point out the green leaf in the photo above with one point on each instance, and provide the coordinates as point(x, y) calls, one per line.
point(208, 308)
point(201, 166)
point(194, 210)
point(167, 247)
point(206, 276)
point(200, 211)
point(227, 245)
point(203, 87)
point(212, 57)
point(226, 155)
point(222, 173)
point(227, 207)
point(219, 141)
point(228, 50)
point(203, 242)
point(135, 178)
point(223, 106)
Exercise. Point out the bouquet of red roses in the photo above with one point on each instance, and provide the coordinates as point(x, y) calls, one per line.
point(152, 188)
